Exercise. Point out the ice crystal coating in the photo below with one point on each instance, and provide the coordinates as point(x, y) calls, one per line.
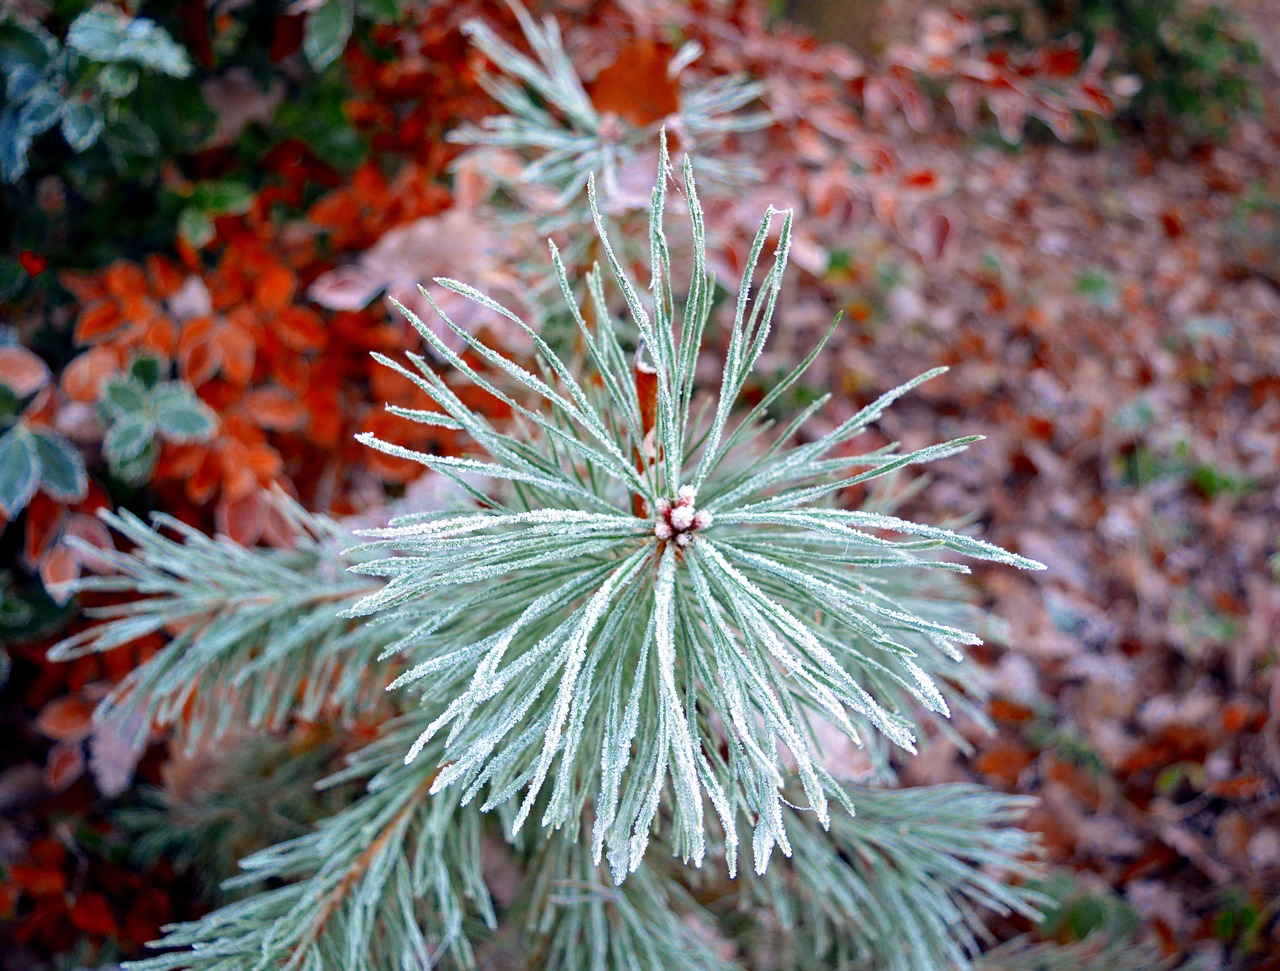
point(571, 658)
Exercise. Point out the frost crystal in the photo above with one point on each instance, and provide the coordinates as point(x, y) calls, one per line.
point(566, 658)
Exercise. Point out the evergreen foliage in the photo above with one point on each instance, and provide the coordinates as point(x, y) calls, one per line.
point(634, 634)
point(559, 136)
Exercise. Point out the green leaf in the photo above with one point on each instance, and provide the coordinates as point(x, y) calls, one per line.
point(12, 279)
point(62, 473)
point(106, 36)
point(26, 44)
point(146, 370)
point(137, 470)
point(321, 122)
point(123, 396)
point(10, 403)
point(118, 80)
point(14, 144)
point(195, 227)
point(381, 11)
point(128, 439)
point(222, 198)
point(19, 470)
point(327, 31)
point(132, 138)
point(22, 80)
point(14, 612)
point(180, 415)
point(82, 123)
point(40, 111)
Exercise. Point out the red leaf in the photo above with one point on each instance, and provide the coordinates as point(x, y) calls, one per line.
point(92, 914)
point(1061, 62)
point(33, 263)
point(43, 527)
point(921, 179)
point(242, 519)
point(38, 879)
point(933, 235)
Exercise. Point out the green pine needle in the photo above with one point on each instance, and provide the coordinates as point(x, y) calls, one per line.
point(659, 608)
point(648, 614)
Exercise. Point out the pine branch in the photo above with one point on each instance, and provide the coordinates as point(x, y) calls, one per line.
point(912, 872)
point(254, 640)
point(645, 618)
point(226, 801)
point(393, 881)
point(1087, 955)
point(575, 917)
point(553, 128)
point(617, 654)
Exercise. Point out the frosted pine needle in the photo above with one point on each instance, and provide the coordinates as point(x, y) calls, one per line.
point(551, 126)
point(656, 599)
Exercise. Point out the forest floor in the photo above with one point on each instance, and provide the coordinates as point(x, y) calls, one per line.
point(1112, 318)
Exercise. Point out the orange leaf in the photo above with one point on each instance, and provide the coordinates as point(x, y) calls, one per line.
point(203, 483)
point(1241, 787)
point(180, 461)
point(326, 418)
point(64, 766)
point(273, 408)
point(370, 186)
point(67, 719)
point(158, 336)
point(238, 352)
point(166, 276)
point(189, 254)
point(274, 289)
point(301, 328)
point(201, 352)
point(1004, 763)
point(83, 379)
point(265, 462)
point(200, 362)
point(125, 280)
point(97, 322)
point(91, 530)
point(85, 287)
point(636, 86)
point(23, 372)
point(336, 211)
point(238, 479)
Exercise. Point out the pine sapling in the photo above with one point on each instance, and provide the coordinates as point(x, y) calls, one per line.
point(625, 645)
